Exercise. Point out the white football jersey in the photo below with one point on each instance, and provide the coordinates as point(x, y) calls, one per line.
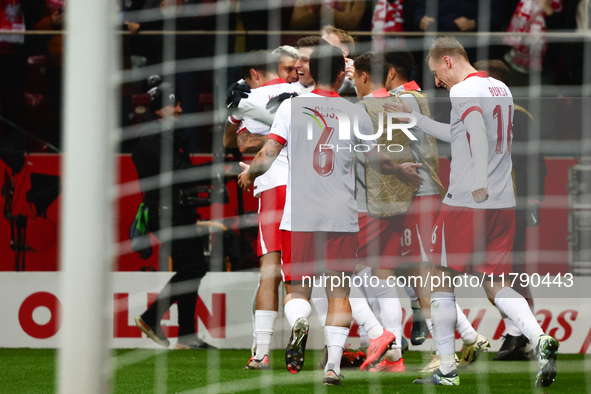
point(321, 184)
point(492, 98)
point(277, 174)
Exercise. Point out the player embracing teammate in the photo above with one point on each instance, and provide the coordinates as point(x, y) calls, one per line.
point(320, 216)
point(475, 228)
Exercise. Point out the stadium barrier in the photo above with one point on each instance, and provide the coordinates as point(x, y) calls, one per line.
point(30, 304)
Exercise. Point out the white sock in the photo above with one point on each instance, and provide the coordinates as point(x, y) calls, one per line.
point(444, 316)
point(412, 295)
point(391, 311)
point(254, 328)
point(363, 338)
point(363, 314)
point(367, 289)
point(394, 354)
point(296, 308)
point(510, 328)
point(464, 328)
point(448, 363)
point(264, 322)
point(512, 304)
point(429, 326)
point(320, 304)
point(336, 339)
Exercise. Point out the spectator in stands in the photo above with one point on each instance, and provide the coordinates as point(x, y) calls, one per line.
point(253, 17)
point(452, 15)
point(16, 16)
point(308, 15)
point(529, 17)
point(388, 17)
point(186, 251)
point(53, 20)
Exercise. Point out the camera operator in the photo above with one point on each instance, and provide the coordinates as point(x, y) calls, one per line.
point(185, 250)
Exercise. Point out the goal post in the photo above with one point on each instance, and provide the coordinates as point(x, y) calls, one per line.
point(87, 235)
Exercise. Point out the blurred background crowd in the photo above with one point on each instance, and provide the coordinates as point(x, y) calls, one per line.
point(31, 72)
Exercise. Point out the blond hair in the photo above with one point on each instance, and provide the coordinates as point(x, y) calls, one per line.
point(446, 46)
point(345, 38)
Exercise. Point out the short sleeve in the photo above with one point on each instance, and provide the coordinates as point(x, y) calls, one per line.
point(255, 127)
point(235, 118)
point(464, 101)
point(282, 123)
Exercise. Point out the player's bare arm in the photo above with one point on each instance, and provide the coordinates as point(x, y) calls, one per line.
point(250, 143)
point(476, 127)
point(405, 172)
point(230, 135)
point(260, 164)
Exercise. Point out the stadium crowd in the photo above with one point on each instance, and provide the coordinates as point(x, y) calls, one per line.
point(31, 66)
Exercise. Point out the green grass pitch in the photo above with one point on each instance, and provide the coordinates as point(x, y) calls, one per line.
point(201, 371)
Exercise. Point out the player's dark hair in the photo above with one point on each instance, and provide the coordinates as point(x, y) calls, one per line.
point(326, 63)
point(374, 65)
point(309, 42)
point(402, 62)
point(262, 61)
point(496, 69)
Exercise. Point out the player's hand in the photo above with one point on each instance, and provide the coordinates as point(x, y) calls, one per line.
point(465, 24)
point(480, 195)
point(408, 175)
point(133, 27)
point(350, 69)
point(425, 22)
point(402, 107)
point(57, 20)
point(276, 101)
point(236, 92)
point(244, 180)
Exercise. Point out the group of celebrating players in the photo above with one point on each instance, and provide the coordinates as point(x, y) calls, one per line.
point(327, 207)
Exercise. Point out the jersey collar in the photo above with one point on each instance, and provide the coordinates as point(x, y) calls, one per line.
point(379, 93)
point(481, 74)
point(325, 93)
point(275, 81)
point(412, 85)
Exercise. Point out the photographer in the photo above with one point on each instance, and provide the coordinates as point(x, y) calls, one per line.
point(166, 208)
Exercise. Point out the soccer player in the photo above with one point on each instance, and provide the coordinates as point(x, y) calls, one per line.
point(515, 344)
point(306, 46)
point(383, 201)
point(378, 237)
point(320, 215)
point(475, 227)
point(288, 56)
point(421, 216)
point(343, 40)
point(270, 189)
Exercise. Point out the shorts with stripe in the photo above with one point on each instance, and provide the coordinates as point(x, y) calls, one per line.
point(271, 205)
point(474, 240)
point(309, 254)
